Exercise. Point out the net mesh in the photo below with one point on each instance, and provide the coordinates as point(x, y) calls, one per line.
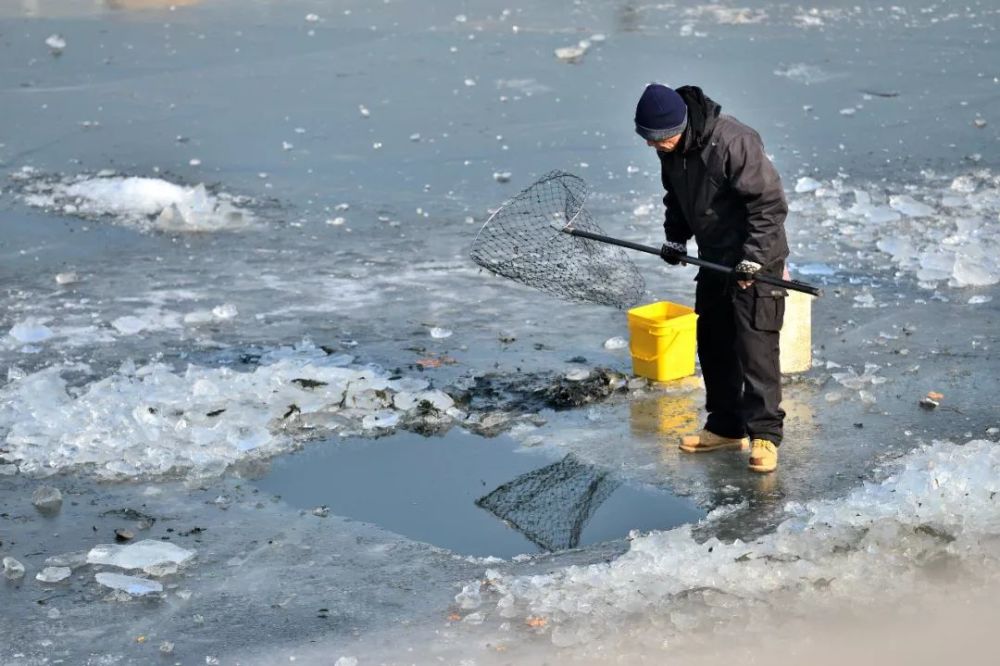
point(551, 505)
point(525, 241)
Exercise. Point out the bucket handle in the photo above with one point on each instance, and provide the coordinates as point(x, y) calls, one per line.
point(654, 356)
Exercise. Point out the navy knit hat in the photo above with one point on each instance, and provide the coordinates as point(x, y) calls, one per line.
point(660, 114)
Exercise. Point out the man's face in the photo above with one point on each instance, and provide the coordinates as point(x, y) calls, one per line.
point(665, 145)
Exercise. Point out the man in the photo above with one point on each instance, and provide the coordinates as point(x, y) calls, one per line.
point(723, 190)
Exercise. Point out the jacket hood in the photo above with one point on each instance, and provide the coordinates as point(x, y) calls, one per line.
point(703, 111)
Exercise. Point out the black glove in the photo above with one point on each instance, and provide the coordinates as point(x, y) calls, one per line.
point(746, 270)
point(673, 253)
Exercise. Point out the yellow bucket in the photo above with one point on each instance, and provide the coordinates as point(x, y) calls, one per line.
point(796, 333)
point(662, 339)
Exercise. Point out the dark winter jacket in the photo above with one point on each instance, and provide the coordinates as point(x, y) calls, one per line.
point(722, 189)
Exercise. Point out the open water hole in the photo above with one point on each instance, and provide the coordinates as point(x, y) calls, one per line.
point(472, 495)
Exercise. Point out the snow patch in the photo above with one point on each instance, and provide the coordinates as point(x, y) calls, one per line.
point(149, 204)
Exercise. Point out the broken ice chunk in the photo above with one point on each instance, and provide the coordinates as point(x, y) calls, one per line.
point(408, 384)
point(571, 54)
point(382, 419)
point(225, 311)
point(909, 206)
point(130, 584)
point(975, 266)
point(139, 555)
point(501, 176)
point(68, 277)
point(615, 343)
point(438, 399)
point(470, 596)
point(901, 249)
point(577, 374)
point(53, 574)
point(965, 184)
point(439, 333)
point(936, 265)
point(71, 560)
point(30, 331)
point(12, 569)
point(807, 184)
point(47, 498)
point(56, 44)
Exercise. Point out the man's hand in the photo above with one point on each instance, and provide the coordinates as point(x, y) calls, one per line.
point(673, 253)
point(745, 272)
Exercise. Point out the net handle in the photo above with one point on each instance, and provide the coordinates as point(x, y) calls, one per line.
point(794, 285)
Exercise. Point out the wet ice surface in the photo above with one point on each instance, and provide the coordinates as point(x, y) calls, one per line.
point(367, 144)
point(431, 489)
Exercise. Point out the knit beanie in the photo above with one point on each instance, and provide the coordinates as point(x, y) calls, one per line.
point(660, 113)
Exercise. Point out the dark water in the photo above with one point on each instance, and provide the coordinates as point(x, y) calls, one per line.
point(427, 488)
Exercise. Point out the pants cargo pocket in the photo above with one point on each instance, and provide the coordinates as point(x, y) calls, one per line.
point(768, 307)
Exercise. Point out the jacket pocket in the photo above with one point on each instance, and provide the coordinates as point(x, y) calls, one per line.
point(768, 307)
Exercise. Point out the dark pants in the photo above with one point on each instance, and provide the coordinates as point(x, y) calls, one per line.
point(738, 348)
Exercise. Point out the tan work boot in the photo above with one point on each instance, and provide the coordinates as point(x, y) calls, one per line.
point(763, 456)
point(706, 441)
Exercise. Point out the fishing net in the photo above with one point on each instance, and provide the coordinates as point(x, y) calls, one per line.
point(525, 241)
point(551, 505)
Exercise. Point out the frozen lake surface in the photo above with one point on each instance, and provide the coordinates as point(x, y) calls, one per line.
point(234, 266)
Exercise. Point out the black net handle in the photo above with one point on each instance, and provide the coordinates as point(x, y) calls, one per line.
point(794, 285)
